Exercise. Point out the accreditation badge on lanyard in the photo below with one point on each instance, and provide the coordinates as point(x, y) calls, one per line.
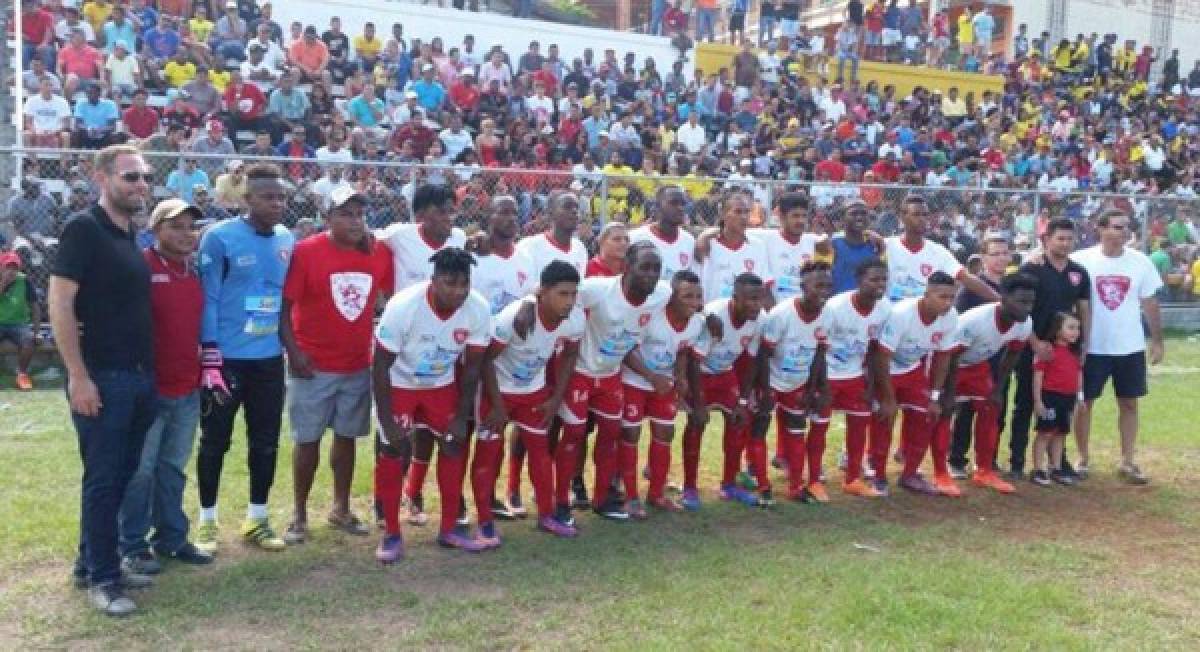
point(262, 314)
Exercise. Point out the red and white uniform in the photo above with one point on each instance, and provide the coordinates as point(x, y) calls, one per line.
point(676, 254)
point(725, 262)
point(662, 344)
point(796, 339)
point(501, 280)
point(411, 251)
point(851, 332)
point(542, 249)
point(908, 269)
point(785, 258)
point(614, 326)
point(427, 346)
point(977, 339)
point(719, 357)
point(910, 340)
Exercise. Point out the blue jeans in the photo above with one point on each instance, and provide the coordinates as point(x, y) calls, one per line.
point(842, 58)
point(658, 8)
point(110, 445)
point(154, 497)
point(706, 21)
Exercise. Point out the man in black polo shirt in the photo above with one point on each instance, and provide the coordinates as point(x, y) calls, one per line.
point(100, 312)
point(1063, 286)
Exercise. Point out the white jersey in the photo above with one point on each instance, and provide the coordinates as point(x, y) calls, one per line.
point(676, 254)
point(411, 251)
point(521, 367)
point(502, 280)
point(909, 270)
point(851, 333)
point(719, 355)
point(795, 341)
point(614, 324)
point(909, 339)
point(427, 345)
point(1118, 286)
point(542, 249)
point(785, 258)
point(724, 263)
point(661, 344)
point(979, 337)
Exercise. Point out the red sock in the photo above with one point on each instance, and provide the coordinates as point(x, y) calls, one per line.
point(816, 449)
point(915, 435)
point(780, 443)
point(389, 483)
point(660, 462)
point(856, 445)
point(450, 471)
point(733, 445)
point(794, 449)
point(987, 434)
point(516, 458)
point(485, 466)
point(940, 450)
point(416, 478)
point(881, 444)
point(565, 454)
point(758, 453)
point(692, 440)
point(604, 456)
point(541, 471)
point(628, 462)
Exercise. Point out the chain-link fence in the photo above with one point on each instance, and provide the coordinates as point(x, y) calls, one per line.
point(56, 183)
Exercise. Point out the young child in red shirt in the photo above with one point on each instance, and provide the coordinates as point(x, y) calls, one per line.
point(1057, 386)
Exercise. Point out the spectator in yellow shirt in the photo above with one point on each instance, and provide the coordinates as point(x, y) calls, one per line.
point(199, 25)
point(96, 12)
point(368, 46)
point(179, 70)
point(219, 79)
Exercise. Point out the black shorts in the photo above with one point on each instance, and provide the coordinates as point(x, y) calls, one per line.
point(1060, 408)
point(737, 21)
point(1128, 374)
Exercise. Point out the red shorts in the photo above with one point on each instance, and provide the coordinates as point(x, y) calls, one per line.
point(431, 408)
point(642, 404)
point(974, 383)
point(523, 410)
point(912, 389)
point(846, 395)
point(602, 396)
point(721, 391)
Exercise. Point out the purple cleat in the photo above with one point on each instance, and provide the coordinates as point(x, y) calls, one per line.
point(390, 550)
point(456, 540)
point(557, 528)
point(690, 500)
point(918, 484)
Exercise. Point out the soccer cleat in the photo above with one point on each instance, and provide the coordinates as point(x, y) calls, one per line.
point(637, 511)
point(735, 493)
point(259, 533)
point(501, 510)
point(142, 562)
point(881, 485)
point(190, 554)
point(1065, 479)
point(990, 480)
point(817, 491)
point(557, 528)
point(958, 471)
point(416, 510)
point(24, 382)
point(390, 549)
point(746, 481)
point(765, 499)
point(206, 537)
point(1081, 471)
point(843, 461)
point(946, 486)
point(580, 495)
point(488, 536)
point(110, 599)
point(135, 580)
point(613, 510)
point(861, 488)
point(516, 507)
point(916, 483)
point(690, 500)
point(665, 504)
point(456, 540)
point(563, 515)
point(1132, 474)
point(1040, 478)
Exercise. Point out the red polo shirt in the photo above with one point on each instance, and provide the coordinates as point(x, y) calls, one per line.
point(141, 122)
point(176, 302)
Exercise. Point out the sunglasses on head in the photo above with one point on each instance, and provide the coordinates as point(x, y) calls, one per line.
point(133, 177)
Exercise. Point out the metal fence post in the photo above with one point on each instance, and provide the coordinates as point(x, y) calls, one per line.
point(604, 199)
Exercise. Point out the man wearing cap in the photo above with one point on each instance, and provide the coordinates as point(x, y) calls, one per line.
point(464, 95)
point(118, 29)
point(213, 142)
point(310, 55)
point(154, 497)
point(20, 314)
point(230, 188)
point(430, 92)
point(325, 325)
point(122, 73)
point(229, 36)
point(257, 71)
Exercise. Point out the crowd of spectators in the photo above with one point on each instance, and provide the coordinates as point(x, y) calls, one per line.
point(225, 81)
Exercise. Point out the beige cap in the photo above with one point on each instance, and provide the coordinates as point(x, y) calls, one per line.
point(169, 209)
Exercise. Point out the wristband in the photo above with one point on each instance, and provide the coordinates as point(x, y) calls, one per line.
point(210, 358)
point(1079, 397)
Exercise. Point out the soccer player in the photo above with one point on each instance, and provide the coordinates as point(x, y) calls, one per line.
point(520, 392)
point(667, 352)
point(424, 333)
point(560, 241)
point(243, 264)
point(675, 245)
point(325, 325)
point(984, 331)
point(618, 310)
point(732, 252)
point(792, 375)
point(856, 319)
point(912, 258)
point(790, 246)
point(727, 379)
point(916, 329)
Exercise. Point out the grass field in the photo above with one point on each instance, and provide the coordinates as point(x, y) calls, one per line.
point(1101, 566)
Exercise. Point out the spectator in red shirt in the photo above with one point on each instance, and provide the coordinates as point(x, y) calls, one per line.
point(832, 168)
point(994, 157)
point(414, 131)
point(326, 326)
point(140, 121)
point(180, 111)
point(78, 62)
point(37, 35)
point(245, 104)
point(547, 77)
point(464, 95)
point(675, 18)
point(886, 169)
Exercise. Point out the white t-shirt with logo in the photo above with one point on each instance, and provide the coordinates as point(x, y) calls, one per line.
point(909, 270)
point(501, 280)
point(979, 336)
point(541, 250)
point(411, 251)
point(850, 334)
point(725, 263)
point(909, 339)
point(795, 340)
point(47, 115)
point(676, 254)
point(1118, 287)
point(426, 345)
point(719, 355)
point(661, 344)
point(785, 258)
point(521, 367)
point(614, 324)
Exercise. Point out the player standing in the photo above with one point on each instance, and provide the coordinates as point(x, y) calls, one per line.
point(675, 245)
point(912, 258)
point(559, 242)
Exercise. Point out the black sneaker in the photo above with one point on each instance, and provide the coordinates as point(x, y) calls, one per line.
point(79, 580)
point(135, 580)
point(1064, 478)
point(958, 471)
point(562, 514)
point(580, 495)
point(1040, 478)
point(142, 562)
point(613, 510)
point(1066, 469)
point(110, 599)
point(765, 499)
point(501, 511)
point(463, 519)
point(1015, 474)
point(190, 554)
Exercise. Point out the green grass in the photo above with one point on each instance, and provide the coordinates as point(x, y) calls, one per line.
point(1103, 566)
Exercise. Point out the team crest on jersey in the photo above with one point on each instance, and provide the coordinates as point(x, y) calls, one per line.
point(926, 269)
point(1075, 277)
point(936, 338)
point(644, 319)
point(749, 265)
point(284, 254)
point(521, 276)
point(460, 335)
point(351, 293)
point(746, 341)
point(1112, 290)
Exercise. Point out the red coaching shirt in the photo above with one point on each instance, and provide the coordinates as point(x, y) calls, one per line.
point(333, 292)
point(176, 302)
